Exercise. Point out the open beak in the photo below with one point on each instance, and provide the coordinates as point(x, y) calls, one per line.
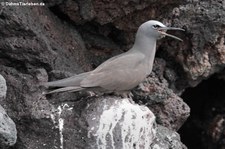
point(162, 30)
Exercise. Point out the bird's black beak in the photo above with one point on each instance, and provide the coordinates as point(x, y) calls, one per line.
point(162, 30)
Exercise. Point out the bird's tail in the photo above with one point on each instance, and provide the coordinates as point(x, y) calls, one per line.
point(66, 89)
point(67, 82)
point(71, 84)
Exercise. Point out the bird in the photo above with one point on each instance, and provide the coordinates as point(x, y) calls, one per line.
point(123, 72)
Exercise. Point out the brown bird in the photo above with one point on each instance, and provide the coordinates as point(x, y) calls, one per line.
point(123, 72)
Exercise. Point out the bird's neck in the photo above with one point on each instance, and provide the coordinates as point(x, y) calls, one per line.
point(147, 46)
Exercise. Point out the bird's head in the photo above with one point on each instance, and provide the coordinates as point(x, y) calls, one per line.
point(157, 30)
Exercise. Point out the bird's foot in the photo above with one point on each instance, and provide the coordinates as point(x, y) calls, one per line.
point(127, 95)
point(91, 93)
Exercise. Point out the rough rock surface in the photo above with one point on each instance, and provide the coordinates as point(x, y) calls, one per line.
point(167, 139)
point(41, 43)
point(3, 88)
point(8, 132)
point(202, 52)
point(117, 123)
point(169, 109)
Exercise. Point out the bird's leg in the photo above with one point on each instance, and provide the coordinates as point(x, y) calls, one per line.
point(126, 94)
point(91, 93)
point(130, 95)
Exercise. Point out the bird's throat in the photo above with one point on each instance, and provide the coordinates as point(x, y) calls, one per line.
point(147, 47)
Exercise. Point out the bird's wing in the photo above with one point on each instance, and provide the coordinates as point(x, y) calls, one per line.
point(71, 81)
point(122, 61)
point(103, 72)
point(114, 80)
point(124, 73)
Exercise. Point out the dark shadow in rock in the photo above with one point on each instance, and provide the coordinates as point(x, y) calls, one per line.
point(205, 127)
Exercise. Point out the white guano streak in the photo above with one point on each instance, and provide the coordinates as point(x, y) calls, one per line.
point(60, 120)
point(136, 123)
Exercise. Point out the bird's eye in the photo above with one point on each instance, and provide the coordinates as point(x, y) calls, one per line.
point(156, 26)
